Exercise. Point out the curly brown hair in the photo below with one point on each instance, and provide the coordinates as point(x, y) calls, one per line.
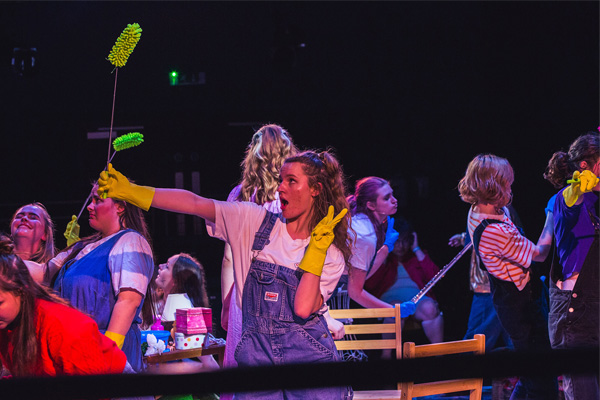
point(562, 165)
point(324, 170)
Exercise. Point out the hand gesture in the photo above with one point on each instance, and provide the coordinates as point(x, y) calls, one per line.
point(407, 308)
point(582, 182)
point(391, 235)
point(115, 185)
point(72, 231)
point(456, 240)
point(320, 239)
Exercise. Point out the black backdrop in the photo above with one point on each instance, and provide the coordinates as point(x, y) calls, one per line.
point(409, 91)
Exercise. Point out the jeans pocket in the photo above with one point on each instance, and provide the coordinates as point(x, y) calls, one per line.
point(317, 344)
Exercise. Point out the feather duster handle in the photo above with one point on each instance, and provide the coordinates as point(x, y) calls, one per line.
point(118, 57)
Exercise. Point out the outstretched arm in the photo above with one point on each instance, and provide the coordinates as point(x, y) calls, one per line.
point(357, 292)
point(115, 185)
point(542, 248)
point(185, 202)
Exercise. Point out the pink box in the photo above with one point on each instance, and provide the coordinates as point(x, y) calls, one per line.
point(192, 321)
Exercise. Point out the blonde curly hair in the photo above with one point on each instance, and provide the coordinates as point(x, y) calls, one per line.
point(487, 181)
point(267, 151)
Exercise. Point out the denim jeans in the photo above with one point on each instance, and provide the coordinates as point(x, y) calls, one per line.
point(484, 319)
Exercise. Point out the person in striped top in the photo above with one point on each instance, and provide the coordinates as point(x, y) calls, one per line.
point(507, 255)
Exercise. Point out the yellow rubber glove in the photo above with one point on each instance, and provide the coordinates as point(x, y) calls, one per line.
point(320, 240)
point(116, 337)
point(72, 232)
point(115, 185)
point(582, 182)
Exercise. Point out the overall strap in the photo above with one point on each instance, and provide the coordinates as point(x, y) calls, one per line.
point(261, 237)
point(477, 236)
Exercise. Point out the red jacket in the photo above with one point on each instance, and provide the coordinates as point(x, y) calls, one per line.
point(69, 343)
point(420, 272)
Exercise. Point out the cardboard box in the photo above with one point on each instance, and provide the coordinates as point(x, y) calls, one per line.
point(193, 321)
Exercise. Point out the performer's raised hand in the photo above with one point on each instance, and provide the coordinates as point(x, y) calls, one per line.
point(320, 239)
point(391, 235)
point(582, 182)
point(115, 185)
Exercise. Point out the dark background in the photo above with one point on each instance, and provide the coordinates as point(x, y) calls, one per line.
point(409, 91)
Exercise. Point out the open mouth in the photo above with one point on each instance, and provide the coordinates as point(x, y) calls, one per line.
point(284, 204)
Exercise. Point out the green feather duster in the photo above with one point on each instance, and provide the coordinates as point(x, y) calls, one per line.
point(124, 45)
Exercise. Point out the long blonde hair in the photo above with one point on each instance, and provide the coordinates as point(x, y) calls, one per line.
point(267, 151)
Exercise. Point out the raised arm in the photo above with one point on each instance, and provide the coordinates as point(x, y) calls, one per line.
point(115, 185)
point(185, 202)
point(308, 298)
point(542, 247)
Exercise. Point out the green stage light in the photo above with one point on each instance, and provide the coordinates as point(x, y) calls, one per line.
point(174, 77)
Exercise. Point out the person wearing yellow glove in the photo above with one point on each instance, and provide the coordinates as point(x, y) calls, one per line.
point(107, 274)
point(573, 318)
point(582, 182)
point(72, 231)
point(121, 188)
point(116, 337)
point(283, 273)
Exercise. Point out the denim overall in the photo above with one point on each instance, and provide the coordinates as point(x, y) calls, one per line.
point(522, 314)
point(573, 318)
point(272, 334)
point(87, 284)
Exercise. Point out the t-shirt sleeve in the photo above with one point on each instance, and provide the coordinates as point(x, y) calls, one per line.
point(235, 221)
point(363, 250)
point(507, 244)
point(332, 271)
point(131, 263)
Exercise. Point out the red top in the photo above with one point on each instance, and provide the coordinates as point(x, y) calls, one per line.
point(69, 344)
point(420, 272)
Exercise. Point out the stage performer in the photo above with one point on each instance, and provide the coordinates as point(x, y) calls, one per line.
point(507, 255)
point(32, 231)
point(573, 318)
point(41, 335)
point(371, 205)
point(284, 266)
point(406, 270)
point(106, 275)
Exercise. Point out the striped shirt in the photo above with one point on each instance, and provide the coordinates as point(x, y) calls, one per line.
point(505, 253)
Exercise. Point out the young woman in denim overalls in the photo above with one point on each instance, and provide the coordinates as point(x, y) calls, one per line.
point(284, 267)
point(574, 302)
point(106, 275)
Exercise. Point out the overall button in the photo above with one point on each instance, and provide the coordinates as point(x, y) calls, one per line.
point(571, 309)
point(574, 295)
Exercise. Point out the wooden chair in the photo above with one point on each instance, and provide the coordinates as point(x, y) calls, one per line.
point(474, 386)
point(372, 344)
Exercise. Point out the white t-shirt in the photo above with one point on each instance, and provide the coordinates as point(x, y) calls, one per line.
point(237, 222)
point(365, 245)
point(130, 261)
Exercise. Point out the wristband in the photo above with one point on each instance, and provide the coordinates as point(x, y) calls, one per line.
point(416, 249)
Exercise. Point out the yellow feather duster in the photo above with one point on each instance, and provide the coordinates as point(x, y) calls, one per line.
point(124, 45)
